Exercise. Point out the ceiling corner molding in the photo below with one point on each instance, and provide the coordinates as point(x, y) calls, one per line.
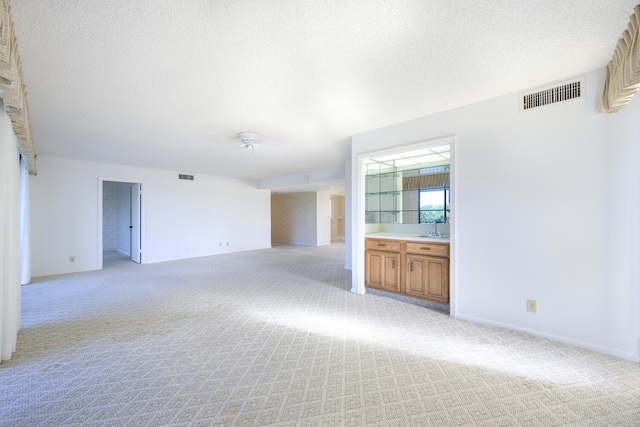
point(12, 90)
point(623, 71)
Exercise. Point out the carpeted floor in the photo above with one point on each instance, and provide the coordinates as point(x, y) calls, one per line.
point(273, 337)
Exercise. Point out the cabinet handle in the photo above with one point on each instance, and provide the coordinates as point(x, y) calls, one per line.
point(426, 248)
point(393, 263)
point(381, 244)
point(411, 266)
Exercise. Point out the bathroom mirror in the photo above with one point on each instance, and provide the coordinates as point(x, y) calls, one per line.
point(408, 188)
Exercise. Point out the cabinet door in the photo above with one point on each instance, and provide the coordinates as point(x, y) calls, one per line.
point(427, 277)
point(383, 270)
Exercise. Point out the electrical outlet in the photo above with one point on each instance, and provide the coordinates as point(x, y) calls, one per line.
point(72, 259)
point(227, 243)
point(220, 244)
point(532, 306)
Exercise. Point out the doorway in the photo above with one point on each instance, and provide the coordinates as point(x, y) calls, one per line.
point(361, 211)
point(121, 223)
point(337, 218)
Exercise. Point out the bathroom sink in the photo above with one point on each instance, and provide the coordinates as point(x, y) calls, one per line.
point(445, 236)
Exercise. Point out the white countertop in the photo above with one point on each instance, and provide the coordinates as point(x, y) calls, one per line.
point(407, 236)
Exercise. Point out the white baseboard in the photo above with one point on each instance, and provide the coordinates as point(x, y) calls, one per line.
point(632, 357)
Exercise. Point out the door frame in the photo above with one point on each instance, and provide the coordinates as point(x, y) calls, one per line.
point(358, 211)
point(135, 193)
point(143, 233)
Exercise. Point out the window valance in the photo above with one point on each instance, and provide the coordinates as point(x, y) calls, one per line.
point(623, 71)
point(12, 90)
point(430, 180)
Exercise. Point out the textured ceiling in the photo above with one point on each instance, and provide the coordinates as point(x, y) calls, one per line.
point(169, 83)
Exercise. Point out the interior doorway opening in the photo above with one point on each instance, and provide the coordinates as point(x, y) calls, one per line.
point(121, 223)
point(337, 218)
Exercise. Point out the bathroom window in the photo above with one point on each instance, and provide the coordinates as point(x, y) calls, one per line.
point(434, 205)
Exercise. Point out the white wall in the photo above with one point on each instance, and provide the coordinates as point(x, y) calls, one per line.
point(294, 218)
point(301, 218)
point(319, 180)
point(180, 219)
point(546, 209)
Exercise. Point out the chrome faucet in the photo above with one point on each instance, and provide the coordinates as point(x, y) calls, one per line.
point(435, 232)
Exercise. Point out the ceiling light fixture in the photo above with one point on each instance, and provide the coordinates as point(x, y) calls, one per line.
point(249, 140)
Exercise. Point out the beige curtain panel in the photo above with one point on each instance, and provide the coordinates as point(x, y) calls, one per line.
point(623, 71)
point(432, 180)
point(12, 91)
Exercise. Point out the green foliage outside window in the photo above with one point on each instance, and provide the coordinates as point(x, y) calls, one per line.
point(430, 213)
point(430, 208)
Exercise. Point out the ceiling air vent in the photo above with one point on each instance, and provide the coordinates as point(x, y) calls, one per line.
point(559, 92)
point(185, 177)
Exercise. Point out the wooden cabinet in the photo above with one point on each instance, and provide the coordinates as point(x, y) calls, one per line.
point(424, 272)
point(428, 248)
point(383, 271)
point(427, 277)
point(383, 265)
point(427, 271)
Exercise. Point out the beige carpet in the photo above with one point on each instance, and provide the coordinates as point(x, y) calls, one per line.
point(273, 337)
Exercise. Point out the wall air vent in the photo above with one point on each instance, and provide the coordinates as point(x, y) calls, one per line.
point(185, 177)
point(559, 92)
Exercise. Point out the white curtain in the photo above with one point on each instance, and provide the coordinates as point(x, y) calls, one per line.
point(9, 238)
point(25, 224)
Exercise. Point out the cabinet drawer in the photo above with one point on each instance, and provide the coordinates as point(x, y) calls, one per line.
point(427, 248)
point(383, 245)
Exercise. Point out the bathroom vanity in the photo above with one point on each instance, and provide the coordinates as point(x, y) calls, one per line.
point(412, 265)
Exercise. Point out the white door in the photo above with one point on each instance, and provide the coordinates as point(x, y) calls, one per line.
point(134, 225)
